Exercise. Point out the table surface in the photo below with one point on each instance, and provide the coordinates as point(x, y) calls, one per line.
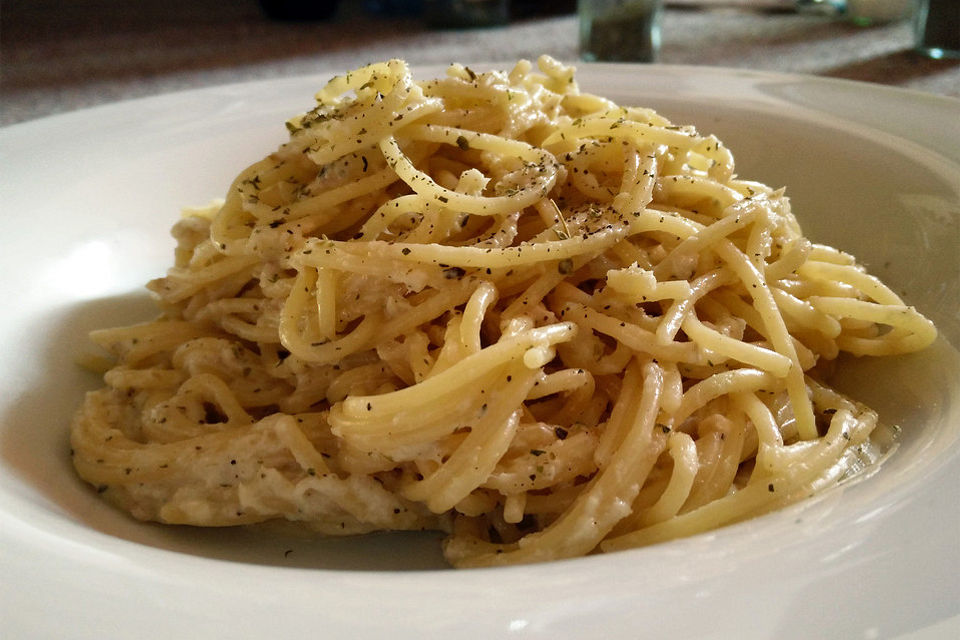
point(57, 57)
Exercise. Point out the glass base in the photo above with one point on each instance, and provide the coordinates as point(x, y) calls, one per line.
point(939, 54)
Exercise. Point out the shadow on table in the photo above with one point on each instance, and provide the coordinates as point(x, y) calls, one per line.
point(893, 68)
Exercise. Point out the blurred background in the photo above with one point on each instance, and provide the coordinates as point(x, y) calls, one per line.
point(59, 56)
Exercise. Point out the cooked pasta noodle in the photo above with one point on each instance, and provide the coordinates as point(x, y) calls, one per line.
point(493, 305)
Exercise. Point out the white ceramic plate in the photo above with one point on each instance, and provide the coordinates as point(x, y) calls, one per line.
point(87, 199)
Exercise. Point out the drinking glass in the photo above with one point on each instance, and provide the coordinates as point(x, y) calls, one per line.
point(620, 30)
point(937, 28)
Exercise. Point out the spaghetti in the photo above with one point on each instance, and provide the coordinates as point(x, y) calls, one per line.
point(493, 305)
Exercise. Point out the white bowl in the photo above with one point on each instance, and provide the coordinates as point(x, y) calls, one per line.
point(88, 198)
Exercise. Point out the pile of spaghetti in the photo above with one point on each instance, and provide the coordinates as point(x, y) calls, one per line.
point(493, 305)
